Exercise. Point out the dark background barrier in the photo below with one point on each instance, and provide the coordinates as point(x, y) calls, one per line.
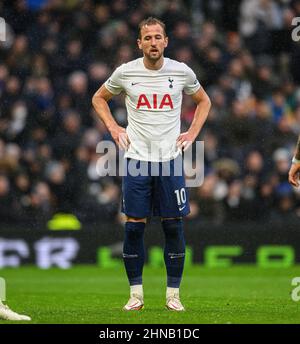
point(245, 243)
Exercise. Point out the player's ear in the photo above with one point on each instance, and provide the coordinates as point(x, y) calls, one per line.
point(166, 41)
point(139, 43)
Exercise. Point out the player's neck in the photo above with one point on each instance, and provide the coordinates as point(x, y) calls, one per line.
point(154, 65)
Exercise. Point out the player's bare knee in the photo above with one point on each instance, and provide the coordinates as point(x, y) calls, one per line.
point(135, 219)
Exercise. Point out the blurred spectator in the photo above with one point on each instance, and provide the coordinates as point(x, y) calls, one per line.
point(67, 137)
point(258, 18)
point(10, 208)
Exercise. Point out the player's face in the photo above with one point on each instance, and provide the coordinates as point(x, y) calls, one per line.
point(153, 41)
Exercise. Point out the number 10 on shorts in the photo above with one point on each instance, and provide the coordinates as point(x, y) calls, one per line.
point(181, 196)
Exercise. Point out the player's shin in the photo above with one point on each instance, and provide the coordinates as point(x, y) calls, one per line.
point(174, 252)
point(134, 252)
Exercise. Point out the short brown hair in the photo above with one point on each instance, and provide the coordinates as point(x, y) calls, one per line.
point(151, 21)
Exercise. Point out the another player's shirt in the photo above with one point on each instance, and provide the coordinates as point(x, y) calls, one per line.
point(153, 102)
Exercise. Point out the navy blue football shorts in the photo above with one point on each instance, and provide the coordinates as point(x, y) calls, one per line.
point(154, 188)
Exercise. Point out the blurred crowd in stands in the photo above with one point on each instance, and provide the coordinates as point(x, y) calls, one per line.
point(58, 53)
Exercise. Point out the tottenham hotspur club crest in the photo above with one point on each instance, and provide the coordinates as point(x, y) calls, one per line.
point(170, 81)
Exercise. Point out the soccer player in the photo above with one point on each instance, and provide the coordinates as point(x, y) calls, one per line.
point(7, 314)
point(295, 168)
point(153, 86)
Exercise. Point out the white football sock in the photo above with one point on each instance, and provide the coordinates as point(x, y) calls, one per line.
point(137, 289)
point(172, 292)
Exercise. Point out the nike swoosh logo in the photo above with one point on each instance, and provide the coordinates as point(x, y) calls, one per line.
point(134, 83)
point(181, 208)
point(134, 304)
point(174, 306)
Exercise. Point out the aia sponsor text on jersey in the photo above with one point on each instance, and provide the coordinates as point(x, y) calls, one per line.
point(154, 102)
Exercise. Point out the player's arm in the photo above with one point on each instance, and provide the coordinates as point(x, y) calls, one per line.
point(203, 106)
point(100, 103)
point(295, 168)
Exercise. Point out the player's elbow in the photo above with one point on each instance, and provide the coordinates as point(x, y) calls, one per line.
point(205, 102)
point(95, 99)
point(208, 101)
point(202, 99)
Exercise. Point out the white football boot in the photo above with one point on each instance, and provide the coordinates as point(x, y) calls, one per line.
point(135, 303)
point(7, 314)
point(173, 303)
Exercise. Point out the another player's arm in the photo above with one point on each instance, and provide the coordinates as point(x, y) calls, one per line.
point(100, 102)
point(295, 168)
point(203, 106)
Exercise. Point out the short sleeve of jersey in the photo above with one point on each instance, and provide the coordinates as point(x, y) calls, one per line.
point(191, 84)
point(114, 83)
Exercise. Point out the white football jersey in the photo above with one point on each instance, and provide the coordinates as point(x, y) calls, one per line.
point(153, 101)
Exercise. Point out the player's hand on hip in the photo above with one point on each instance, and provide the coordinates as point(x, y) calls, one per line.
point(185, 140)
point(294, 175)
point(120, 137)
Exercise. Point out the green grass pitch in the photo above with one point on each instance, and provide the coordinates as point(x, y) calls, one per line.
point(87, 294)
